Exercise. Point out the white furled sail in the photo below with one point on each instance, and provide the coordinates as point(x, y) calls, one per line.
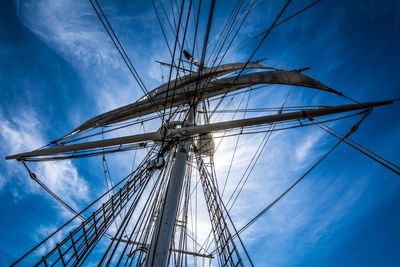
point(183, 92)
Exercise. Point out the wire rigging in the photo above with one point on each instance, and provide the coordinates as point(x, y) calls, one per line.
point(254, 52)
point(273, 203)
point(281, 22)
point(129, 176)
point(172, 62)
point(122, 52)
point(385, 163)
point(256, 156)
point(234, 152)
point(51, 193)
point(137, 228)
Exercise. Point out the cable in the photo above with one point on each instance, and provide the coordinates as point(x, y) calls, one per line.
point(80, 213)
point(394, 168)
point(205, 84)
point(255, 158)
point(162, 28)
point(51, 193)
point(234, 152)
point(122, 52)
point(273, 203)
point(180, 58)
point(203, 54)
point(255, 50)
point(172, 62)
point(288, 18)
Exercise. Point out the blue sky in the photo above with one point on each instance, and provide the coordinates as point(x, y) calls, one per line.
point(58, 68)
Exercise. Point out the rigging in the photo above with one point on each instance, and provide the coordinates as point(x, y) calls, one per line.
point(156, 201)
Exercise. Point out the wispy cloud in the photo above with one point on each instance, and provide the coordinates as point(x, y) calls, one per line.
point(303, 151)
point(68, 29)
point(23, 132)
point(312, 210)
point(44, 231)
point(73, 31)
point(2, 182)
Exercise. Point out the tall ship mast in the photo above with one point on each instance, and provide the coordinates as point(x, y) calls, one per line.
point(171, 208)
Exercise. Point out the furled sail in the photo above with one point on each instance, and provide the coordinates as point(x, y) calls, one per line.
point(186, 89)
point(204, 75)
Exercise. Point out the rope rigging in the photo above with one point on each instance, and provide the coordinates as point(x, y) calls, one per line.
point(162, 30)
point(256, 156)
point(273, 203)
point(128, 177)
point(172, 60)
point(213, 65)
point(121, 50)
point(281, 22)
point(385, 163)
point(255, 50)
point(253, 161)
point(51, 193)
point(140, 199)
point(180, 60)
point(234, 152)
point(218, 212)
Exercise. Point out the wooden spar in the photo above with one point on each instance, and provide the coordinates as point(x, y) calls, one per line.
point(173, 66)
point(89, 145)
point(306, 113)
point(200, 129)
point(171, 249)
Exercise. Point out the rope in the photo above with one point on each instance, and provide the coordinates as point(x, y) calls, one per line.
point(234, 152)
point(273, 203)
point(122, 52)
point(255, 158)
point(283, 21)
point(163, 32)
point(80, 213)
point(51, 193)
point(172, 63)
point(378, 159)
point(255, 50)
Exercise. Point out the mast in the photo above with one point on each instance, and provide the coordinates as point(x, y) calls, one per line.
point(154, 234)
point(165, 225)
point(160, 246)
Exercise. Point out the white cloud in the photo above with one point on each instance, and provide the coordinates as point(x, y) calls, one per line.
point(44, 231)
point(303, 151)
point(23, 132)
point(73, 31)
point(2, 182)
point(68, 29)
point(60, 27)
